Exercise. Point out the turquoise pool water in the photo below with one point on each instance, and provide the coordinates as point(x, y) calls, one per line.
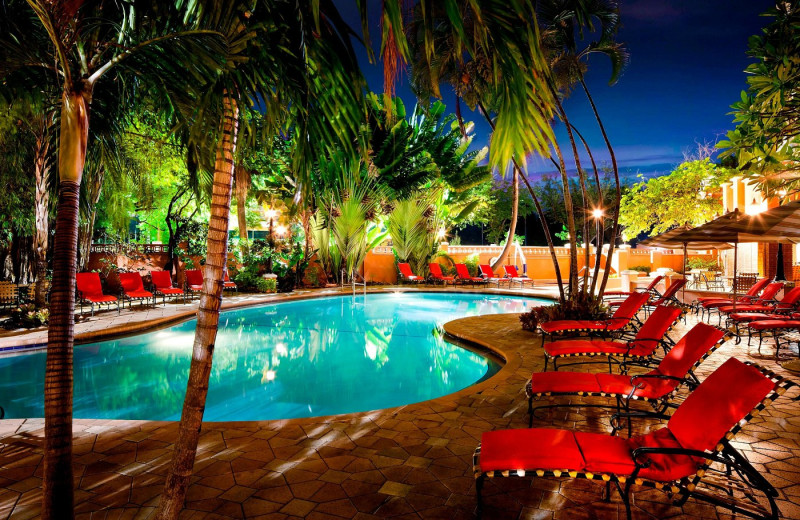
point(296, 359)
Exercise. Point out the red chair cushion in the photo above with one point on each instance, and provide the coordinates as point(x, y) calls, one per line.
point(688, 351)
point(99, 298)
point(530, 448)
point(752, 316)
point(701, 421)
point(774, 324)
point(229, 285)
point(664, 467)
point(170, 290)
point(564, 325)
point(583, 346)
point(89, 285)
point(652, 388)
point(139, 294)
point(746, 308)
point(605, 454)
point(564, 382)
point(194, 277)
point(131, 282)
point(161, 279)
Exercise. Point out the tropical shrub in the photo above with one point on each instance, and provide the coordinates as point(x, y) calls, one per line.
point(581, 306)
point(28, 316)
point(472, 262)
point(706, 264)
point(640, 268)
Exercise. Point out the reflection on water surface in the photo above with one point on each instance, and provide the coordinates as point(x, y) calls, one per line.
point(295, 359)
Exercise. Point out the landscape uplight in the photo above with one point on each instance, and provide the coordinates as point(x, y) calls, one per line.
point(598, 213)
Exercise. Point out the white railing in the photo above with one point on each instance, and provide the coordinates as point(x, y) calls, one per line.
point(127, 249)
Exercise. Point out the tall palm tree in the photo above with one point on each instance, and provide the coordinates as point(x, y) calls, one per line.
point(296, 59)
point(89, 43)
point(564, 25)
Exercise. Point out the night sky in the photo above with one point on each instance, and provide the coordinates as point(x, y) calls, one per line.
point(686, 69)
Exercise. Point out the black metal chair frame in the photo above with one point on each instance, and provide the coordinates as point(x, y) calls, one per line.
point(736, 474)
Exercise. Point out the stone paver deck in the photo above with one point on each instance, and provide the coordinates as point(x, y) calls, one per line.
point(408, 462)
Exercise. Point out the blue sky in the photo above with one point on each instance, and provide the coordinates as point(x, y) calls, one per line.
point(686, 69)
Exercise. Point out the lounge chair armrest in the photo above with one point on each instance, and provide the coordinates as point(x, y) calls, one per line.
point(656, 376)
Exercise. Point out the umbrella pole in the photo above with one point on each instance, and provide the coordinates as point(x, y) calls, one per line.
point(683, 297)
point(735, 266)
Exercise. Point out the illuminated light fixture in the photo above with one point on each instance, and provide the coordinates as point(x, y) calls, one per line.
point(598, 213)
point(272, 213)
point(281, 230)
point(442, 233)
point(755, 208)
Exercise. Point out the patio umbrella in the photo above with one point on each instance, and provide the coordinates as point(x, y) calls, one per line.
point(673, 239)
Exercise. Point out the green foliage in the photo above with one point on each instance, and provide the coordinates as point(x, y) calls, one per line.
point(496, 212)
point(767, 115)
point(640, 268)
point(472, 262)
point(682, 198)
point(413, 226)
point(706, 264)
point(582, 306)
point(27, 316)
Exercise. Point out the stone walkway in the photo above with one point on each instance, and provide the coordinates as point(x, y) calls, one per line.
point(409, 462)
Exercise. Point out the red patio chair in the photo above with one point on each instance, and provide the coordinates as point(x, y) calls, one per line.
point(489, 276)
point(676, 458)
point(407, 275)
point(670, 297)
point(513, 275)
point(774, 326)
point(752, 312)
point(642, 347)
point(162, 284)
point(132, 288)
point(752, 294)
point(767, 297)
point(227, 283)
point(623, 318)
point(463, 276)
point(656, 386)
point(90, 290)
point(193, 282)
point(438, 276)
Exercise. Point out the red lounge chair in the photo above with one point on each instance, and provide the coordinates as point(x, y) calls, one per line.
point(623, 317)
point(650, 289)
point(488, 275)
point(670, 297)
point(193, 282)
point(438, 276)
point(463, 276)
point(227, 283)
point(133, 289)
point(675, 458)
point(656, 386)
point(766, 297)
point(513, 275)
point(775, 326)
point(90, 290)
point(751, 295)
point(643, 346)
point(753, 312)
point(162, 284)
point(406, 275)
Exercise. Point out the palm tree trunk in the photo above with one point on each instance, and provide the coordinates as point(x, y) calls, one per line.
point(573, 239)
point(183, 457)
point(512, 227)
point(42, 217)
point(57, 479)
point(618, 195)
point(547, 234)
point(581, 180)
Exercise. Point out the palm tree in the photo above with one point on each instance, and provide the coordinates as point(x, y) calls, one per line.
point(282, 53)
point(564, 23)
point(88, 43)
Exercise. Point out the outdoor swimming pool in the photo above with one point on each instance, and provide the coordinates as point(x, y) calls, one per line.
point(295, 359)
